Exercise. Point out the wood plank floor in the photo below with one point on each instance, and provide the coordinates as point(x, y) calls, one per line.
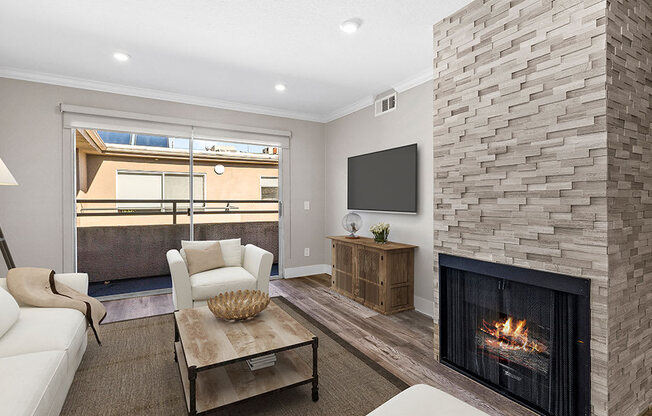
point(402, 343)
point(132, 308)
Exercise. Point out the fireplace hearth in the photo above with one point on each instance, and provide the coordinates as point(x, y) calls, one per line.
point(524, 333)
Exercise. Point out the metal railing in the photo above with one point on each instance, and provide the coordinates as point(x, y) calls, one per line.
point(174, 211)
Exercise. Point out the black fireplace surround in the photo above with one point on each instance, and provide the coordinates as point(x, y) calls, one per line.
point(524, 333)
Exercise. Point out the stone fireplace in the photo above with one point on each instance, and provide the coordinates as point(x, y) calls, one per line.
point(521, 332)
point(543, 161)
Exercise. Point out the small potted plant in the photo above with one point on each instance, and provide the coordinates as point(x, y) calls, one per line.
point(380, 232)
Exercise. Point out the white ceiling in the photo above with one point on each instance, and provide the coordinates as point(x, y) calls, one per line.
point(226, 53)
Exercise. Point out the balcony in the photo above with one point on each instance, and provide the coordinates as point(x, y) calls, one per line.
point(116, 241)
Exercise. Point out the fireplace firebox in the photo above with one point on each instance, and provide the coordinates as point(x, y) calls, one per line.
point(524, 333)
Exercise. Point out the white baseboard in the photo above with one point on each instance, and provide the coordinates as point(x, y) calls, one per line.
point(425, 306)
point(292, 272)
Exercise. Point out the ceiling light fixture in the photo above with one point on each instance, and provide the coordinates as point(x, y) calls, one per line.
point(351, 25)
point(121, 56)
point(280, 87)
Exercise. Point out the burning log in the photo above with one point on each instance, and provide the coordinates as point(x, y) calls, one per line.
point(511, 336)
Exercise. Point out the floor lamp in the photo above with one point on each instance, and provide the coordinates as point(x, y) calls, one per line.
point(6, 179)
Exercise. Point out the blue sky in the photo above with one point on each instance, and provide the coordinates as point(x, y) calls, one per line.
point(177, 143)
point(202, 144)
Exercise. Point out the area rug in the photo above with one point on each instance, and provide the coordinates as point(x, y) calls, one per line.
point(134, 373)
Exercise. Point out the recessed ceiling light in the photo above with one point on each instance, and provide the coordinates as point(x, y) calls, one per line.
point(351, 25)
point(280, 87)
point(121, 56)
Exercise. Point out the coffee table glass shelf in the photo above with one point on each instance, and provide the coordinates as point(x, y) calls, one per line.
point(212, 356)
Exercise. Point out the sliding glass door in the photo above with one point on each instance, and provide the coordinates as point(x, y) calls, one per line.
point(135, 200)
point(239, 195)
point(132, 198)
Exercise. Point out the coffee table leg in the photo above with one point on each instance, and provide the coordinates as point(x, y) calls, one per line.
point(192, 378)
point(315, 376)
point(176, 339)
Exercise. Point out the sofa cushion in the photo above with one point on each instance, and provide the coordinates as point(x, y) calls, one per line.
point(9, 311)
point(210, 283)
point(30, 384)
point(424, 400)
point(202, 259)
point(44, 329)
point(231, 250)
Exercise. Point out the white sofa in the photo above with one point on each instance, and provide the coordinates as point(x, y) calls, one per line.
point(40, 354)
point(193, 291)
point(424, 400)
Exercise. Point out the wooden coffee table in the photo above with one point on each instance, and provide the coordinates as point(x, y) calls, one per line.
point(211, 354)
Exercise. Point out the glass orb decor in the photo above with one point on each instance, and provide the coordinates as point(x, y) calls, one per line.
point(352, 223)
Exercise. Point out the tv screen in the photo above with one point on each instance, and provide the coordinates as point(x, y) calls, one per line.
point(384, 181)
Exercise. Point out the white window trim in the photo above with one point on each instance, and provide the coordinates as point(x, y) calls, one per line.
point(78, 117)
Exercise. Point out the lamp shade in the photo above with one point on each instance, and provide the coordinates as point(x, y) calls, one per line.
point(5, 176)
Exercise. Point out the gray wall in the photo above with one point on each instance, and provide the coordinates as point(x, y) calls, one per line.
point(361, 132)
point(123, 252)
point(31, 144)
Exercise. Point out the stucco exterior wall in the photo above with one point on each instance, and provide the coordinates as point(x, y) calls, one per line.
point(239, 181)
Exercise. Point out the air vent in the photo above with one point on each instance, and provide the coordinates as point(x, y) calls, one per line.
point(385, 103)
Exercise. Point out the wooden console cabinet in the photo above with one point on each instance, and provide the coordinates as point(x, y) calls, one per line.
point(380, 276)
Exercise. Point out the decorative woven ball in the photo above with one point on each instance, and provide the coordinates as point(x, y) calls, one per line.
point(238, 305)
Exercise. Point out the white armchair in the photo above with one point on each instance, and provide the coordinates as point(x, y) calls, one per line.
point(193, 291)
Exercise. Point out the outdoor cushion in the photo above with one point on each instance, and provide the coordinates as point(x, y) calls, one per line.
point(30, 383)
point(9, 311)
point(202, 259)
point(44, 329)
point(210, 283)
point(231, 250)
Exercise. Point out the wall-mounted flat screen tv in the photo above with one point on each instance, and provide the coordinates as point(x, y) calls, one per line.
point(384, 180)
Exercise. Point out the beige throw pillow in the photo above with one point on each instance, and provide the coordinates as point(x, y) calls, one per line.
point(201, 259)
point(231, 250)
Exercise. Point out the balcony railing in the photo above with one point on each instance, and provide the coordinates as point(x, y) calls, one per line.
point(175, 207)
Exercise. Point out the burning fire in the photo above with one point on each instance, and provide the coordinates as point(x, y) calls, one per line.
point(510, 335)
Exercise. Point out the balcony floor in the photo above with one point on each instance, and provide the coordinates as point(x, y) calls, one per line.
point(127, 288)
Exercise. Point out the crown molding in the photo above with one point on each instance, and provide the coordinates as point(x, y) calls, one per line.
point(348, 109)
point(418, 79)
point(74, 82)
